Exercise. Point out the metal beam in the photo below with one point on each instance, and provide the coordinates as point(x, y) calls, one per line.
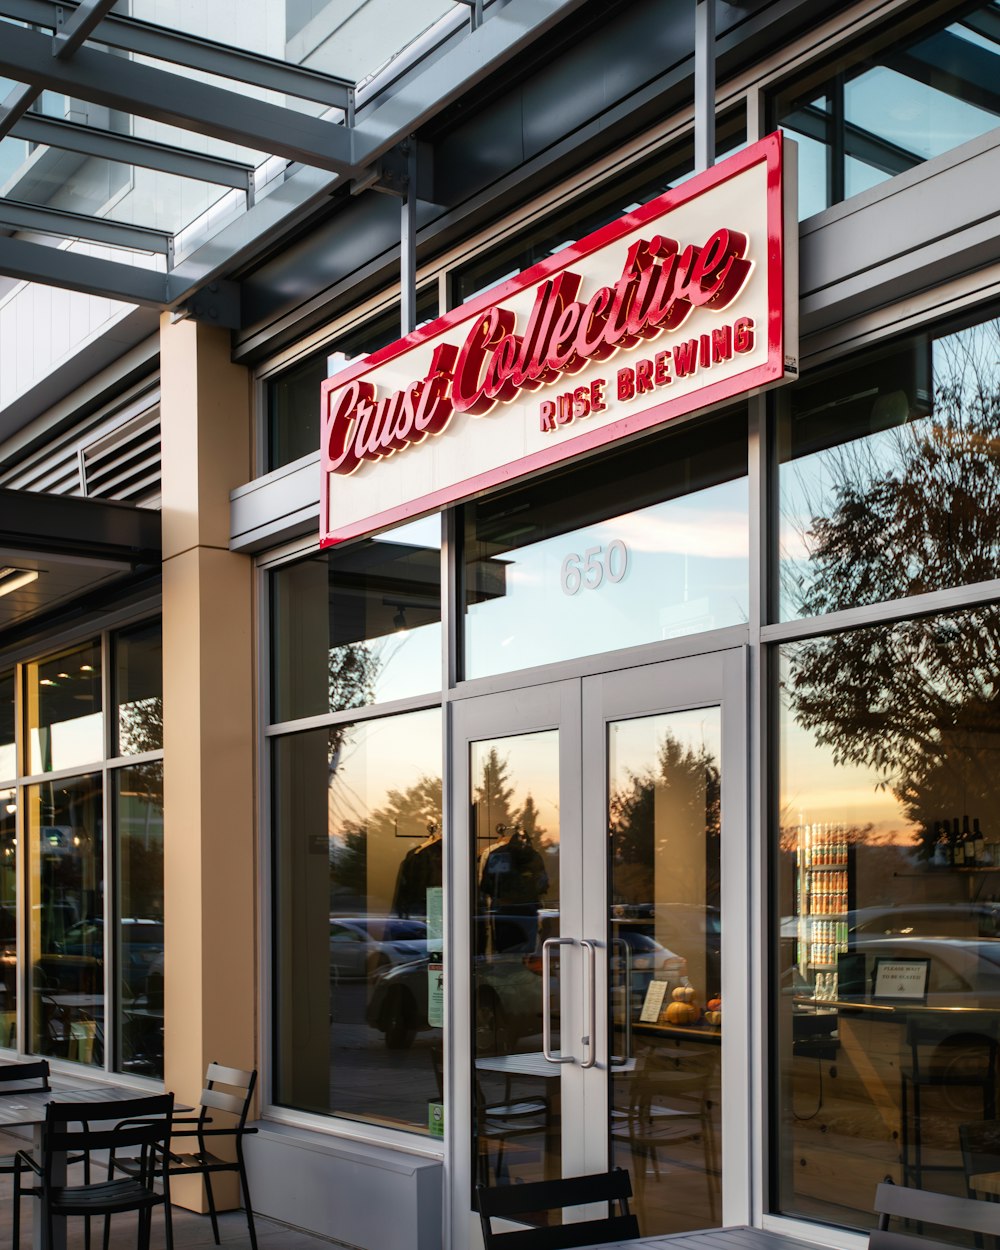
point(15, 215)
point(408, 243)
point(71, 31)
point(111, 146)
point(177, 48)
point(704, 84)
point(131, 87)
point(15, 104)
point(75, 271)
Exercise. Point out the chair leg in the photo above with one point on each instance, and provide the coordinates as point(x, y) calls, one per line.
point(16, 1214)
point(211, 1207)
point(168, 1214)
point(244, 1182)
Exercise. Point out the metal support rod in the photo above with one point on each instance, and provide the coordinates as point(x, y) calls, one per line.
point(408, 244)
point(704, 84)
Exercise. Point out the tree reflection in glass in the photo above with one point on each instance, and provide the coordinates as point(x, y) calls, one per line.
point(890, 475)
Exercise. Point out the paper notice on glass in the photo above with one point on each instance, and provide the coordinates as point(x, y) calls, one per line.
point(653, 1002)
point(435, 995)
point(435, 918)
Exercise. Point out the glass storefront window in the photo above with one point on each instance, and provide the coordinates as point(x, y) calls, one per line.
point(358, 625)
point(65, 722)
point(887, 843)
point(139, 688)
point(65, 833)
point(559, 568)
point(8, 750)
point(597, 208)
point(358, 931)
point(892, 103)
point(888, 473)
point(293, 397)
point(138, 795)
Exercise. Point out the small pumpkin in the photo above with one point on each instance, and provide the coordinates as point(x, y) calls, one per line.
point(682, 1013)
point(713, 1017)
point(683, 994)
point(714, 1004)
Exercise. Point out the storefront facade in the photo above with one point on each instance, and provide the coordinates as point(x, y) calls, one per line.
point(572, 746)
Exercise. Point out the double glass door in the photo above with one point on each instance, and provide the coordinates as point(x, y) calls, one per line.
point(606, 872)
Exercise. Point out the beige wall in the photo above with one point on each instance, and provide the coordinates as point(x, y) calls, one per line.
point(208, 667)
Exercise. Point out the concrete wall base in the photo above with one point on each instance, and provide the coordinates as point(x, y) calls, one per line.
point(367, 1196)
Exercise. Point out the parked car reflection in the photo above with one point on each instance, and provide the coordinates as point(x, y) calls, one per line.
point(361, 946)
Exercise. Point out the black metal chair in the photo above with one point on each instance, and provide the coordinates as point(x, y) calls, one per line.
point(139, 1123)
point(923, 1207)
point(946, 1057)
point(202, 1162)
point(510, 1202)
point(21, 1078)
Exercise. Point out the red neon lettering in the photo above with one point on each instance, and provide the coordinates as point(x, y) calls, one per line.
point(546, 416)
point(468, 390)
point(722, 344)
point(626, 383)
point(597, 401)
point(686, 358)
point(661, 369)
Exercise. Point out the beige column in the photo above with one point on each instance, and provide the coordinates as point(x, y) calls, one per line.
point(208, 719)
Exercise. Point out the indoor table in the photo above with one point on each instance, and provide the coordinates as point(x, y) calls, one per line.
point(28, 1109)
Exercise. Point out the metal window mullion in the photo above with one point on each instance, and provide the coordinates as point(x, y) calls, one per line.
point(265, 835)
point(354, 715)
point(109, 856)
point(22, 906)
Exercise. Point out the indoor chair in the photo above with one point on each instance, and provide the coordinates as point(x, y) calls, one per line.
point(202, 1162)
point(944, 1059)
point(144, 1123)
point(510, 1202)
point(669, 1105)
point(923, 1207)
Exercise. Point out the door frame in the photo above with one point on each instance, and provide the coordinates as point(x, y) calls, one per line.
point(580, 708)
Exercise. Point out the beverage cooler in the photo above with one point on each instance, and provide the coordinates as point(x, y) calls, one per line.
point(824, 899)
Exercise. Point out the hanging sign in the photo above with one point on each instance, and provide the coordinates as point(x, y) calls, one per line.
point(683, 304)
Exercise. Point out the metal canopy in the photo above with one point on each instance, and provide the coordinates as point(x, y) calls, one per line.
point(134, 94)
point(89, 529)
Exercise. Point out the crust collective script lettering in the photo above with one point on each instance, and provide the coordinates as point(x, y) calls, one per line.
point(660, 285)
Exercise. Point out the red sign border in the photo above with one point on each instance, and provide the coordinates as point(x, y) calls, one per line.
point(769, 150)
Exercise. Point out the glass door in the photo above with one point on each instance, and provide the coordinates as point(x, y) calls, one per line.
point(603, 827)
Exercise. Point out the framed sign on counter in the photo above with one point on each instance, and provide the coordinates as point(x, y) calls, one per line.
point(900, 980)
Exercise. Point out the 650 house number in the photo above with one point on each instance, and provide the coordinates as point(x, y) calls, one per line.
point(596, 566)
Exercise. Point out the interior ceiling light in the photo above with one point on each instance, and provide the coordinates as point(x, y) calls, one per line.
point(14, 579)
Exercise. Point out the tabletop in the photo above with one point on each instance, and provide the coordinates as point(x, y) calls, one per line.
point(714, 1239)
point(28, 1106)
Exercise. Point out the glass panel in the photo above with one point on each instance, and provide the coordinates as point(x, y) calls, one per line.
point(139, 688)
point(358, 625)
point(593, 210)
point(358, 975)
point(8, 918)
point(888, 953)
point(139, 921)
point(350, 40)
point(65, 835)
point(293, 397)
point(894, 106)
point(888, 472)
point(517, 1129)
point(664, 778)
point(8, 751)
point(556, 568)
point(64, 719)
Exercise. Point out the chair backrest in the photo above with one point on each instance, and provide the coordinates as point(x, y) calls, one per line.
point(20, 1078)
point(238, 1103)
point(513, 1201)
point(935, 1043)
point(135, 1123)
point(923, 1206)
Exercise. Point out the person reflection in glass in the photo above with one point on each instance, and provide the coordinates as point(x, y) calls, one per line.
point(512, 883)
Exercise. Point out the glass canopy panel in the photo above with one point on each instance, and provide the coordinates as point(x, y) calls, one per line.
point(347, 38)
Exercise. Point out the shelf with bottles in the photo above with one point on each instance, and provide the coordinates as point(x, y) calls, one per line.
point(954, 844)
